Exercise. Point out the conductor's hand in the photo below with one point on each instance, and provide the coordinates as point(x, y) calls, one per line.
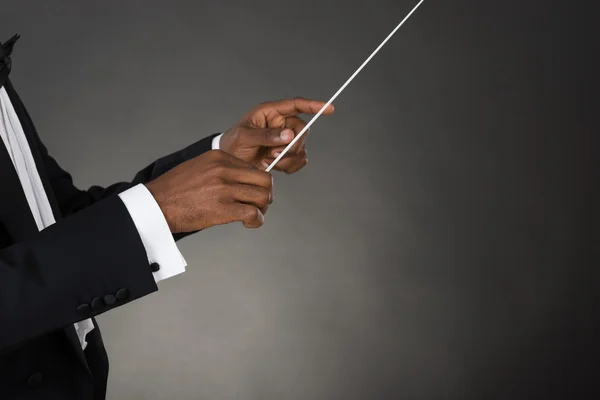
point(211, 189)
point(267, 129)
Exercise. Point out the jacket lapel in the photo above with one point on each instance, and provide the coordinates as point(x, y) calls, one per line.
point(15, 214)
point(21, 223)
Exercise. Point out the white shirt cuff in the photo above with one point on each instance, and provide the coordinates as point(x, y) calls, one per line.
point(154, 232)
point(216, 141)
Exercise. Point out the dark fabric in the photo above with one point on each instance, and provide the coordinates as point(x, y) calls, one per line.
point(97, 360)
point(50, 279)
point(5, 60)
point(51, 357)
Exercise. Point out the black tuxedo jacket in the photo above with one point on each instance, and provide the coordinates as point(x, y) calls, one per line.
point(90, 261)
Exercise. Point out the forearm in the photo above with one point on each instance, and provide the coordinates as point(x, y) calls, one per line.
point(71, 199)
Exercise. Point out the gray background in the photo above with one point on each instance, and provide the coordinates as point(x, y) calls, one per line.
point(435, 246)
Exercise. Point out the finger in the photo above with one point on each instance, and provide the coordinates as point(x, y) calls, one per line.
point(268, 137)
point(275, 151)
point(297, 125)
point(254, 177)
point(288, 164)
point(291, 153)
point(299, 105)
point(260, 221)
point(254, 195)
point(247, 214)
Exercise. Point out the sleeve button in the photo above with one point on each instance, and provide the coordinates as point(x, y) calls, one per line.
point(97, 303)
point(155, 267)
point(110, 299)
point(122, 294)
point(84, 309)
point(35, 380)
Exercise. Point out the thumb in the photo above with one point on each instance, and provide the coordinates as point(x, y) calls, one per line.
point(269, 137)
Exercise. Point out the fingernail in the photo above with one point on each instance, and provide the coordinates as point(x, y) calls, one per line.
point(277, 154)
point(286, 135)
point(265, 164)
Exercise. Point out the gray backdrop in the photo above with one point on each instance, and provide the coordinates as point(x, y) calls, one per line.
point(434, 247)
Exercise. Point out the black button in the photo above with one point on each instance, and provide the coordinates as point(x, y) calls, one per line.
point(155, 267)
point(84, 309)
point(122, 294)
point(110, 299)
point(97, 303)
point(35, 380)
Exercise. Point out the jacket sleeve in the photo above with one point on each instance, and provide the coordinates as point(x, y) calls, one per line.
point(85, 264)
point(77, 268)
point(88, 262)
point(70, 199)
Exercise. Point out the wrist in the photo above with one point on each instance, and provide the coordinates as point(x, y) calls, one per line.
point(160, 198)
point(226, 141)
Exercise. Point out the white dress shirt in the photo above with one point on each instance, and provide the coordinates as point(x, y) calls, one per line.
point(145, 212)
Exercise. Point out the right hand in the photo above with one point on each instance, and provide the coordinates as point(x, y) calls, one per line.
point(211, 189)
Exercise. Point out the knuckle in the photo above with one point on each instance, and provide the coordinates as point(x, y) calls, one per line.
point(266, 178)
point(264, 198)
point(251, 213)
point(267, 134)
point(223, 189)
point(219, 167)
point(218, 170)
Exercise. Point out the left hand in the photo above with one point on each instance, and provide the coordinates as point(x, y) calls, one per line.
point(267, 129)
